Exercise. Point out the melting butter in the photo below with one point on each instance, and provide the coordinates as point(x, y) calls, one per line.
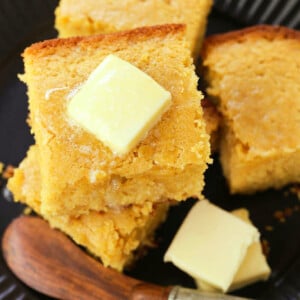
point(119, 104)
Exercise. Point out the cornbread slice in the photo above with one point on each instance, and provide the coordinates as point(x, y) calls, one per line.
point(80, 18)
point(254, 74)
point(78, 173)
point(112, 236)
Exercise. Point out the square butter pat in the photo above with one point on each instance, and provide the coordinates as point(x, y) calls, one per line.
point(119, 104)
point(253, 268)
point(211, 244)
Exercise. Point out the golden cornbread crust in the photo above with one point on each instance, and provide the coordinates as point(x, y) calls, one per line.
point(113, 236)
point(46, 48)
point(89, 17)
point(254, 75)
point(239, 36)
point(78, 172)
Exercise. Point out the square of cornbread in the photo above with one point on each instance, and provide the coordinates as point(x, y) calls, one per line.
point(88, 17)
point(113, 236)
point(78, 172)
point(254, 75)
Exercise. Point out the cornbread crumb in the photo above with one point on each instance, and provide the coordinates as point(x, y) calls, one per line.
point(295, 189)
point(282, 215)
point(8, 172)
point(254, 75)
point(269, 228)
point(279, 216)
point(27, 211)
point(265, 247)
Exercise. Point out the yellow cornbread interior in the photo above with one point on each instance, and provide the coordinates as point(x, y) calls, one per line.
point(78, 18)
point(254, 75)
point(206, 229)
point(112, 236)
point(78, 172)
point(119, 104)
point(253, 268)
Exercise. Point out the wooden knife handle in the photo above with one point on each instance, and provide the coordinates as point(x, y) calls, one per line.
point(46, 260)
point(146, 291)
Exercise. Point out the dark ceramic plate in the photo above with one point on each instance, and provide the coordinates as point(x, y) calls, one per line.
point(24, 22)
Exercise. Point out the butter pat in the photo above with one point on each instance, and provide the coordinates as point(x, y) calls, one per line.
point(211, 244)
point(119, 104)
point(253, 268)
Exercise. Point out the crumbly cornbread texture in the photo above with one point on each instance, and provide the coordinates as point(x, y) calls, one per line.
point(78, 173)
point(88, 17)
point(113, 236)
point(212, 120)
point(254, 74)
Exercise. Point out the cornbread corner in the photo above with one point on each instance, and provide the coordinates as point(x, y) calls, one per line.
point(254, 74)
point(113, 236)
point(81, 18)
point(78, 173)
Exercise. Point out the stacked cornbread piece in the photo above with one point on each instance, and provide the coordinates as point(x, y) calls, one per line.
point(108, 203)
point(81, 18)
point(253, 74)
point(113, 236)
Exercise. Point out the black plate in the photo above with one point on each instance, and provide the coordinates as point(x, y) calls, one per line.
point(24, 22)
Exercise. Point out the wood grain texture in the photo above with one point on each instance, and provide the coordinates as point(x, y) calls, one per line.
point(49, 262)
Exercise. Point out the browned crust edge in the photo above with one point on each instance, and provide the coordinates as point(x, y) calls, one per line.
point(137, 34)
point(269, 32)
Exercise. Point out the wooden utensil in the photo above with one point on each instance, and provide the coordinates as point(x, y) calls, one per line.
point(49, 262)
